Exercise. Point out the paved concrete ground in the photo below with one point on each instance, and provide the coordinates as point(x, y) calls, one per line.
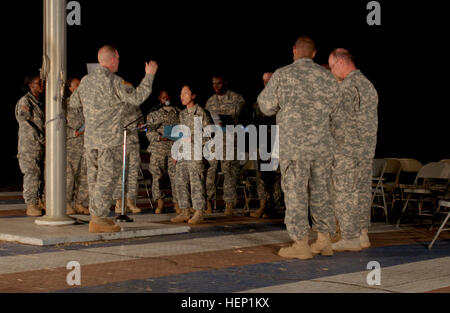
point(223, 255)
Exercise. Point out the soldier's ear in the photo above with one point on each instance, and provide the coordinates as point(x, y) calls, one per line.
point(314, 54)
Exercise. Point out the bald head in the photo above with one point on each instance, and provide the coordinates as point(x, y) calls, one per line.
point(344, 55)
point(304, 48)
point(266, 77)
point(341, 63)
point(108, 57)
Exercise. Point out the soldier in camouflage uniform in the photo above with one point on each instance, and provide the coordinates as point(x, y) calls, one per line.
point(190, 174)
point(268, 183)
point(133, 162)
point(29, 113)
point(160, 149)
point(104, 96)
point(229, 104)
point(355, 130)
point(77, 185)
point(304, 96)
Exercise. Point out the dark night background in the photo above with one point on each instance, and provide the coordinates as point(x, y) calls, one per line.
point(191, 40)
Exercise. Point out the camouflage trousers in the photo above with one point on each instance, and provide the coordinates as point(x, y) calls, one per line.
point(133, 164)
point(268, 187)
point(364, 191)
point(103, 170)
point(345, 179)
point(307, 182)
point(31, 165)
point(162, 162)
point(76, 171)
point(230, 170)
point(190, 181)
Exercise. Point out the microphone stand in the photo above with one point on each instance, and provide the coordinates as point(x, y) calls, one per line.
point(123, 218)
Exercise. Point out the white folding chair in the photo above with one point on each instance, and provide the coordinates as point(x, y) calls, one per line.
point(426, 187)
point(445, 203)
point(391, 182)
point(378, 168)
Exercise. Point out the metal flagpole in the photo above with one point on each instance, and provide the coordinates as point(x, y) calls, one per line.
point(54, 70)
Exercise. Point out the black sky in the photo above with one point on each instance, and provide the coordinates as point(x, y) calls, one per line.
point(191, 40)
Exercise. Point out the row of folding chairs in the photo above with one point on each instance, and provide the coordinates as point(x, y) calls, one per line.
point(418, 187)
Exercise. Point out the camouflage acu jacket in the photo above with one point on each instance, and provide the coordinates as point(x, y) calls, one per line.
point(231, 105)
point(304, 96)
point(356, 122)
point(157, 120)
point(104, 97)
point(29, 113)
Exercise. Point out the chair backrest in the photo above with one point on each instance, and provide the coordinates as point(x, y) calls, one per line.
point(435, 170)
point(378, 167)
point(410, 165)
point(392, 166)
point(445, 161)
point(392, 173)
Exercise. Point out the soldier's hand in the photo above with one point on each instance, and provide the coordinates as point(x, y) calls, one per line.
point(163, 139)
point(151, 67)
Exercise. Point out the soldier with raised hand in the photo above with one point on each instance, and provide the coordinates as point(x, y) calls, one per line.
point(133, 162)
point(29, 113)
point(304, 95)
point(76, 171)
point(160, 148)
point(104, 96)
point(355, 130)
point(224, 104)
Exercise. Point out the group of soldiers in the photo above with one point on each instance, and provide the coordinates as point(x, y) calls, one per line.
point(327, 121)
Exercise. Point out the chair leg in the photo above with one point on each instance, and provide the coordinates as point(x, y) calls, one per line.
point(141, 172)
point(403, 211)
point(384, 204)
point(440, 230)
point(435, 218)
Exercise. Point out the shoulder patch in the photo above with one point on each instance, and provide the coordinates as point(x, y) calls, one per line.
point(25, 108)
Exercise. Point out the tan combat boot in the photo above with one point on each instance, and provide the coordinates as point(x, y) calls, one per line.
point(69, 209)
point(299, 250)
point(33, 210)
point(322, 245)
point(132, 207)
point(197, 218)
point(177, 208)
point(262, 207)
point(118, 208)
point(228, 209)
point(183, 217)
point(102, 225)
point(364, 239)
point(347, 245)
point(80, 209)
point(160, 206)
point(209, 207)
